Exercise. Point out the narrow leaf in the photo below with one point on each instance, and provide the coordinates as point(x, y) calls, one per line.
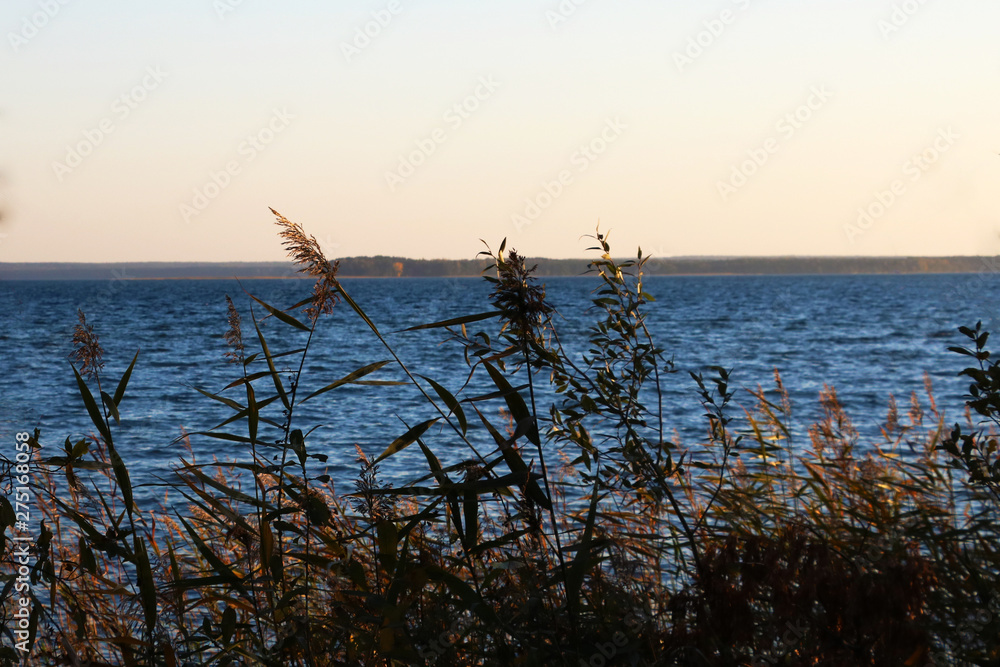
point(582, 561)
point(281, 315)
point(451, 402)
point(253, 416)
point(112, 407)
point(275, 377)
point(91, 404)
point(406, 439)
point(455, 321)
point(120, 391)
point(515, 403)
point(147, 589)
point(349, 378)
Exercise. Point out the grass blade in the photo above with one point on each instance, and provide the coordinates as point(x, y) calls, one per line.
point(451, 402)
point(350, 378)
point(120, 391)
point(91, 404)
point(278, 386)
point(407, 439)
point(455, 321)
point(281, 315)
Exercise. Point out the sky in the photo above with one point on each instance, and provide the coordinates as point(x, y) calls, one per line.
point(141, 131)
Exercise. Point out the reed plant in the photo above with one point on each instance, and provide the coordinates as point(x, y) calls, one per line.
point(572, 530)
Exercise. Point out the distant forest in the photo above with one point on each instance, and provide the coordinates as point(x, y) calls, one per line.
point(393, 267)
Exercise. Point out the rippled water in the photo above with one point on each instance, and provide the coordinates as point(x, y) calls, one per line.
point(869, 336)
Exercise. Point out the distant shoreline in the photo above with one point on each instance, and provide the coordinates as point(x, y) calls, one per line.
point(393, 267)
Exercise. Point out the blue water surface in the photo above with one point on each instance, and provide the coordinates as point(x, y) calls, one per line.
point(868, 336)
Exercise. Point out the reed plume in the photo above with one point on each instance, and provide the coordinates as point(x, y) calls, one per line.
point(654, 552)
point(88, 351)
point(234, 336)
point(305, 251)
point(520, 300)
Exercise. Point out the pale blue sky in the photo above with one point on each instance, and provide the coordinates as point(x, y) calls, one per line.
point(692, 155)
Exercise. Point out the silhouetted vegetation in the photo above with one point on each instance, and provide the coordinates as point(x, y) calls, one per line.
point(573, 532)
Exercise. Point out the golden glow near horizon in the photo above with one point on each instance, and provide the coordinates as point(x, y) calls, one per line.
point(738, 127)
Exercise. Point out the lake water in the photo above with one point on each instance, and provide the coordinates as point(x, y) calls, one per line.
point(869, 336)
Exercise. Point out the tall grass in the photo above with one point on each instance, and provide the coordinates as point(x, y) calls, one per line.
point(571, 532)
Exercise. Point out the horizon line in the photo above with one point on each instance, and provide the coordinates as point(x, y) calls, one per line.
point(531, 258)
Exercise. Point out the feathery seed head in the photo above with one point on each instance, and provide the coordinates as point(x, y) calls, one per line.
point(234, 337)
point(305, 251)
point(88, 353)
point(518, 297)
